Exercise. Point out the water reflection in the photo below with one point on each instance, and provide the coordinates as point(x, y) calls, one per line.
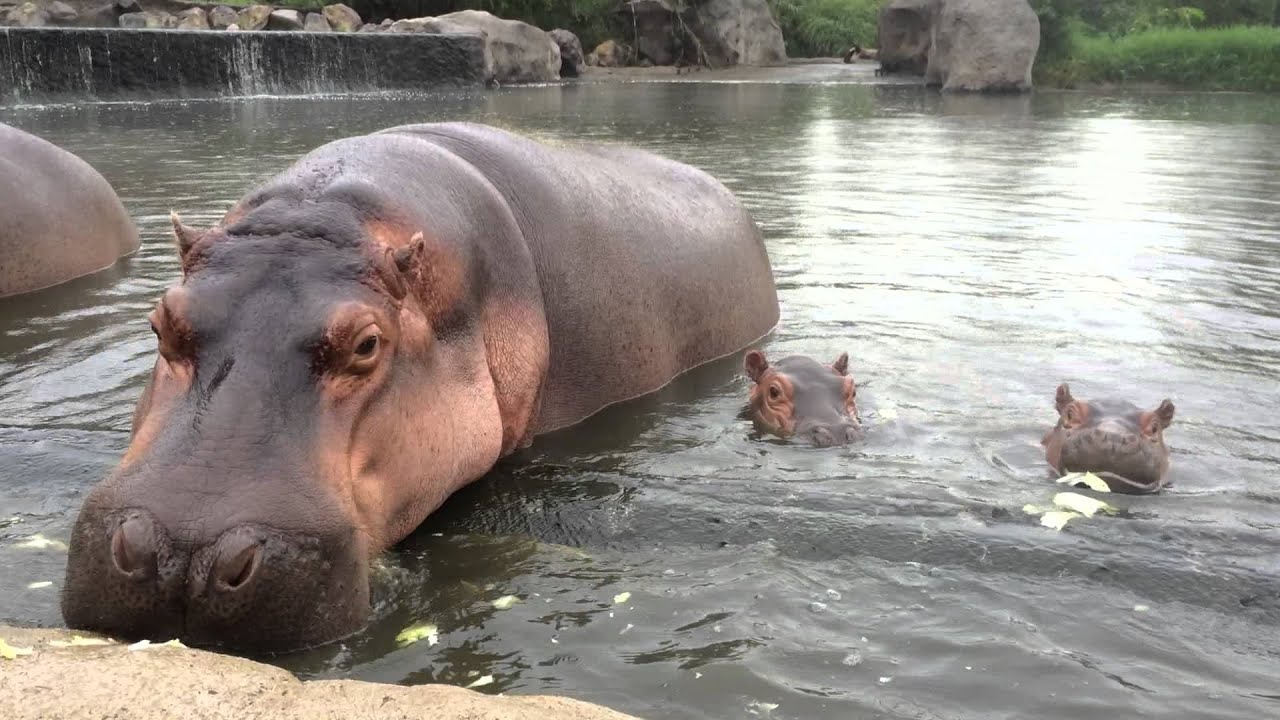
point(968, 253)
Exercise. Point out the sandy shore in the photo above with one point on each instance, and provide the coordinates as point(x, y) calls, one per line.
point(50, 677)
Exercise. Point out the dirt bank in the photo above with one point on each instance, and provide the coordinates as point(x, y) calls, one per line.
point(112, 681)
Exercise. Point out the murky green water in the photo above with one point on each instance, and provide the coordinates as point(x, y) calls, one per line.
point(968, 253)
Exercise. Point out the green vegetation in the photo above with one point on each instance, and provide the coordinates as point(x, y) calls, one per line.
point(1210, 44)
point(1236, 58)
point(826, 28)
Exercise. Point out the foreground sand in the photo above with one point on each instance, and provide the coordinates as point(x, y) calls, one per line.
point(111, 681)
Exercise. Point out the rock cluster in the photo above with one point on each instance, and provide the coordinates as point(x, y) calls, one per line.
point(961, 45)
point(717, 33)
point(129, 14)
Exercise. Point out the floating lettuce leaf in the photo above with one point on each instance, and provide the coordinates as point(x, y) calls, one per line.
point(1093, 482)
point(481, 682)
point(1082, 504)
point(9, 652)
point(39, 584)
point(1033, 509)
point(1057, 519)
point(505, 602)
point(621, 598)
point(147, 644)
point(414, 633)
point(78, 640)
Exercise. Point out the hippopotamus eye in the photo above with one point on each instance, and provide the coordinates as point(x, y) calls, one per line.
point(775, 392)
point(154, 330)
point(365, 350)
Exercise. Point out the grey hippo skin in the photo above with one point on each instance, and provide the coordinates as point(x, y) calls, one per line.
point(59, 218)
point(799, 397)
point(370, 331)
point(1116, 440)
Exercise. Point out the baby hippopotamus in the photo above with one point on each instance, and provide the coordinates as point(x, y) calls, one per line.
point(1114, 439)
point(798, 396)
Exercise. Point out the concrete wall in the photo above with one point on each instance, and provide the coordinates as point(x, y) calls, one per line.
point(41, 64)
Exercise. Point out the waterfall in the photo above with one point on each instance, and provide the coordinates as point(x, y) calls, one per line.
point(41, 64)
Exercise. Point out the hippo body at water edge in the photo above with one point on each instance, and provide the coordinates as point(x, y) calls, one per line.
point(1114, 439)
point(799, 397)
point(59, 218)
point(368, 332)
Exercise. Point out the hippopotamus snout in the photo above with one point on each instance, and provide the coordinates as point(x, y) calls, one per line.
point(798, 397)
point(841, 432)
point(1114, 439)
point(130, 575)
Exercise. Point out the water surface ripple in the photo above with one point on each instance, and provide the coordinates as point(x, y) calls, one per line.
point(968, 253)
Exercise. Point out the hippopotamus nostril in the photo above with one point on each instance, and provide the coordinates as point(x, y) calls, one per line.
point(852, 433)
point(133, 548)
point(239, 557)
point(822, 437)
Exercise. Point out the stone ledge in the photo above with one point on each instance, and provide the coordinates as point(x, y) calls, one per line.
point(111, 681)
point(111, 63)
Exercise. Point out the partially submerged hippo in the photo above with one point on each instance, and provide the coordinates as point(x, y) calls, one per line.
point(1113, 439)
point(799, 397)
point(370, 331)
point(59, 218)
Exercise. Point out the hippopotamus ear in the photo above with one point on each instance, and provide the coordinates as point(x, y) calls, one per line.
point(185, 237)
point(754, 363)
point(1163, 414)
point(841, 365)
point(1063, 397)
point(409, 258)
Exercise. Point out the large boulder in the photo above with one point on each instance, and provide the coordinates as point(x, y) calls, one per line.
point(905, 34)
point(515, 51)
point(57, 674)
point(28, 15)
point(284, 20)
point(109, 15)
point(152, 20)
point(61, 13)
point(222, 17)
point(341, 18)
point(736, 32)
point(984, 45)
point(316, 22)
point(254, 17)
point(193, 19)
point(571, 60)
point(653, 24)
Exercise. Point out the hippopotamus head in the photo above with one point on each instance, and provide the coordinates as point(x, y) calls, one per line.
point(307, 407)
point(1114, 439)
point(800, 397)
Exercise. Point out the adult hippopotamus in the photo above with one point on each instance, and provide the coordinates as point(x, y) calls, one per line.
point(1112, 438)
point(799, 397)
point(371, 330)
point(59, 218)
